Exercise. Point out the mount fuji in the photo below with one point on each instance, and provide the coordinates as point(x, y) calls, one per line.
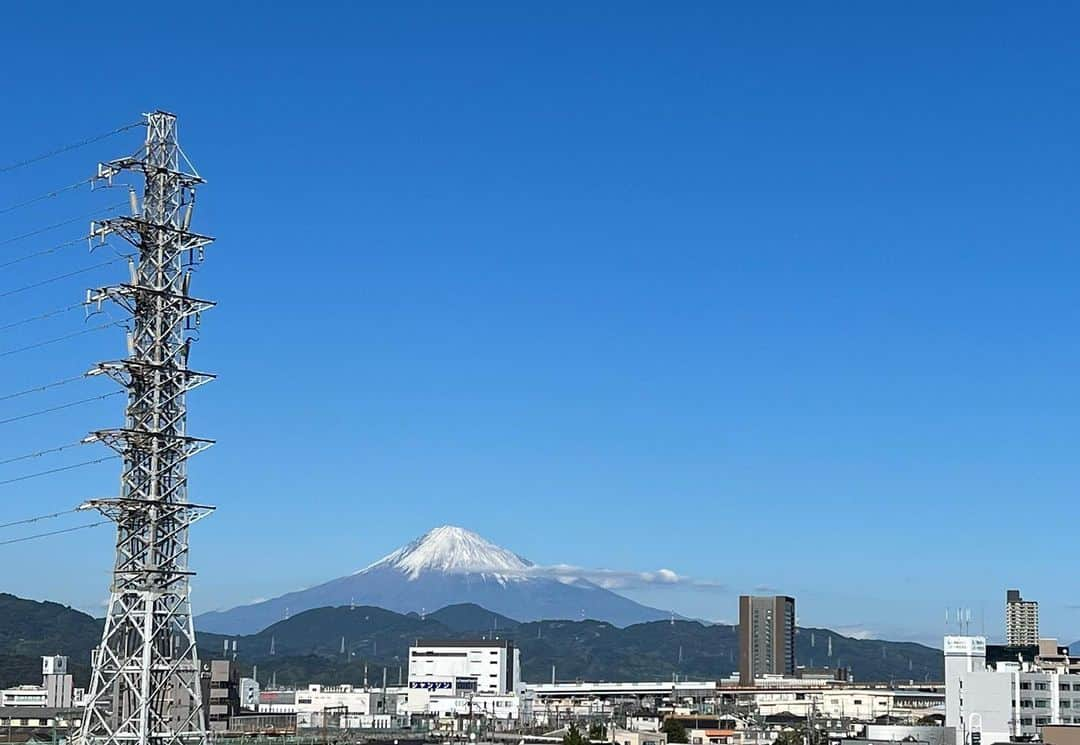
point(446, 566)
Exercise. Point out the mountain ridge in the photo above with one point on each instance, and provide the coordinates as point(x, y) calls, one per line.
point(307, 647)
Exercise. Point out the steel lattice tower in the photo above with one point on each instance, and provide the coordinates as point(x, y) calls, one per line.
point(145, 686)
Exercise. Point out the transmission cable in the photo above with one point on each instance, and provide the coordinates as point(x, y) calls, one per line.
point(43, 252)
point(42, 316)
point(58, 339)
point(54, 532)
point(47, 228)
point(50, 516)
point(47, 195)
point(60, 407)
point(67, 275)
point(59, 469)
point(69, 147)
point(39, 453)
point(44, 387)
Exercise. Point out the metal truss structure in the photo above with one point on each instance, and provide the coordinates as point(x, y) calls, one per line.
point(145, 688)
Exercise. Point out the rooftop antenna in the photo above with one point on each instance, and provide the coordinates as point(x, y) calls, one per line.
point(672, 618)
point(234, 650)
point(829, 653)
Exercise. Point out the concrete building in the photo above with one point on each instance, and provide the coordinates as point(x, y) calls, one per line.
point(311, 703)
point(766, 637)
point(57, 682)
point(249, 694)
point(636, 737)
point(1021, 620)
point(220, 682)
point(24, 696)
point(1009, 700)
point(963, 654)
point(484, 666)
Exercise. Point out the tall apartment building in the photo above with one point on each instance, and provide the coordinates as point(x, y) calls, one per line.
point(220, 681)
point(1021, 620)
point(766, 636)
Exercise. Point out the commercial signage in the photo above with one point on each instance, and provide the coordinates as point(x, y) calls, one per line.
point(431, 685)
point(965, 645)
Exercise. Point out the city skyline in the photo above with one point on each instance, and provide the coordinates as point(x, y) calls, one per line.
point(782, 305)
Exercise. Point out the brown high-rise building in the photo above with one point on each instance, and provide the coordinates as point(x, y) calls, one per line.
point(766, 637)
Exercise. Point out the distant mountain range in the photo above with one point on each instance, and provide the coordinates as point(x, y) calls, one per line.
point(307, 647)
point(446, 566)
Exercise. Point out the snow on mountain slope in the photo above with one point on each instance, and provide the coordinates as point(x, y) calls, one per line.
point(446, 566)
point(453, 550)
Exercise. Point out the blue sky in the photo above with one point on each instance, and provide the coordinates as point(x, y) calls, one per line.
point(771, 297)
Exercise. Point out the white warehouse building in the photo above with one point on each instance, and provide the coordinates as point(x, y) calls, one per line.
point(461, 677)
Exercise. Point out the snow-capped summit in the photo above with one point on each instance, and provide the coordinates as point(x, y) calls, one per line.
point(452, 550)
point(445, 566)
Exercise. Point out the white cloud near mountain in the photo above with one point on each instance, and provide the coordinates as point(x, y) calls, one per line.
point(618, 579)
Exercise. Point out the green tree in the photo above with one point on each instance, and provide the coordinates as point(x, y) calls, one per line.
point(573, 736)
point(789, 737)
point(675, 731)
point(597, 731)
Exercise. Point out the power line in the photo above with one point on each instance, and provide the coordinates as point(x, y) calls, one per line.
point(67, 275)
point(28, 520)
point(60, 407)
point(46, 195)
point(54, 226)
point(39, 453)
point(53, 532)
point(56, 340)
point(43, 316)
point(67, 148)
point(45, 387)
point(59, 469)
point(43, 252)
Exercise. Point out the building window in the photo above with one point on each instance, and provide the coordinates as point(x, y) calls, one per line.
point(1025, 686)
point(1042, 686)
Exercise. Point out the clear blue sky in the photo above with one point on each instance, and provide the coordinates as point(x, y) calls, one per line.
point(774, 297)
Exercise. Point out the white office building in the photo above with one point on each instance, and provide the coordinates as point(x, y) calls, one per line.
point(453, 679)
point(491, 667)
point(1008, 700)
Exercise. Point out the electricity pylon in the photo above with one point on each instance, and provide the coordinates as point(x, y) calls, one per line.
point(145, 687)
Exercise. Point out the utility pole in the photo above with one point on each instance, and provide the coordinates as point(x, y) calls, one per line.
point(145, 687)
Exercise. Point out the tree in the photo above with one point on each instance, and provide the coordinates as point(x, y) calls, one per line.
point(573, 736)
point(675, 731)
point(597, 731)
point(789, 737)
